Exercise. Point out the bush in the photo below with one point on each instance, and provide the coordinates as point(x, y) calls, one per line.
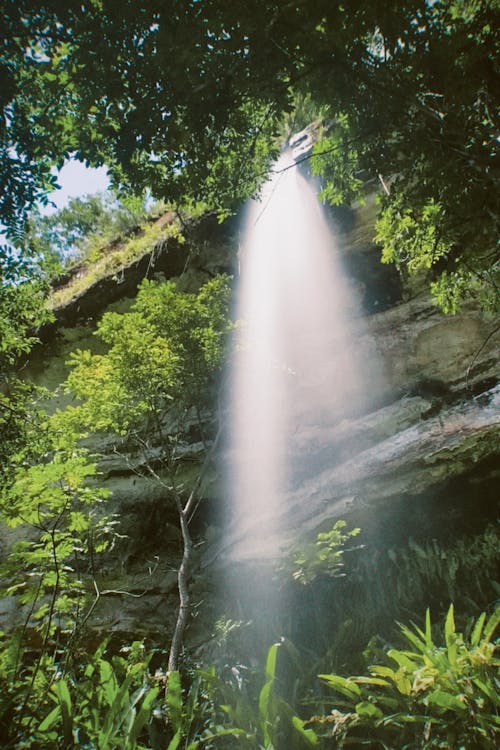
point(430, 696)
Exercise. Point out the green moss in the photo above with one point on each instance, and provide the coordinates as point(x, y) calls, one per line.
point(110, 261)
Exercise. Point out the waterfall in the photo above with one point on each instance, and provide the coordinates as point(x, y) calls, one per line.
point(295, 370)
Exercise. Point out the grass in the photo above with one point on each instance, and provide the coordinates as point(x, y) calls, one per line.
point(111, 260)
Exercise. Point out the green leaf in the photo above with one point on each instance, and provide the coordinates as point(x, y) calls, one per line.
point(403, 659)
point(373, 681)
point(478, 629)
point(122, 704)
point(50, 719)
point(176, 740)
point(445, 701)
point(367, 710)
point(383, 671)
point(413, 638)
point(63, 694)
point(451, 637)
point(307, 734)
point(449, 627)
point(344, 685)
point(488, 689)
point(428, 628)
point(264, 707)
point(174, 699)
point(491, 625)
point(107, 681)
point(271, 661)
point(221, 731)
point(142, 717)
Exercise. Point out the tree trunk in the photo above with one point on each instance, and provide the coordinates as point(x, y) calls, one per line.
point(182, 581)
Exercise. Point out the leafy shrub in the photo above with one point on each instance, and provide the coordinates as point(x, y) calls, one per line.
point(324, 556)
point(264, 721)
point(105, 707)
point(430, 696)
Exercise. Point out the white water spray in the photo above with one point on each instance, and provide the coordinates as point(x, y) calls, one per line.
point(296, 367)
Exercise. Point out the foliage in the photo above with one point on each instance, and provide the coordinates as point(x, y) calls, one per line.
point(107, 707)
point(335, 157)
point(420, 238)
point(323, 557)
point(22, 313)
point(416, 239)
point(105, 260)
point(46, 569)
point(453, 288)
point(161, 355)
point(187, 101)
point(152, 382)
point(429, 696)
point(456, 572)
point(103, 702)
point(25, 681)
point(83, 226)
point(45, 490)
point(50, 570)
point(415, 575)
point(340, 615)
point(424, 695)
point(429, 144)
point(21, 307)
point(175, 128)
point(266, 722)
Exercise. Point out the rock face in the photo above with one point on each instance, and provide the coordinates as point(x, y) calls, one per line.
point(437, 419)
point(432, 418)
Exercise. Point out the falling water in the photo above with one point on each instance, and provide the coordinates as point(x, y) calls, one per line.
point(295, 370)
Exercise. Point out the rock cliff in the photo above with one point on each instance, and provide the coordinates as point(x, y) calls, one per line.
point(429, 427)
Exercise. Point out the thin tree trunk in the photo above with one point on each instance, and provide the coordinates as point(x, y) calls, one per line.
point(183, 575)
point(184, 572)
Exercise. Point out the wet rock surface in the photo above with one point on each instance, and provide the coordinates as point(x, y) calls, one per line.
point(434, 417)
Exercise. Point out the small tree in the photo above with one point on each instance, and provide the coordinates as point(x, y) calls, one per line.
point(49, 493)
point(44, 489)
point(149, 386)
point(22, 312)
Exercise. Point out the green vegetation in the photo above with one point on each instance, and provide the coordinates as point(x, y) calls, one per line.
point(160, 358)
point(105, 261)
point(324, 556)
point(111, 703)
point(427, 695)
point(94, 237)
point(148, 388)
point(150, 385)
point(83, 226)
point(188, 102)
point(99, 236)
point(434, 692)
point(49, 571)
point(22, 311)
point(263, 721)
point(103, 703)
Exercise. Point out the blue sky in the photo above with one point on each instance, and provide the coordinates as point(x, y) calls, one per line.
point(76, 180)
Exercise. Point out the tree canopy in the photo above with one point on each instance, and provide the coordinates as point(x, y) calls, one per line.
point(185, 98)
